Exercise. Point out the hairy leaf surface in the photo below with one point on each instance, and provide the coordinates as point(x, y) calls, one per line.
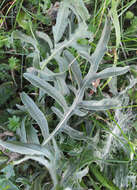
point(61, 21)
point(47, 88)
point(101, 47)
point(74, 67)
point(81, 9)
point(99, 105)
point(36, 114)
point(27, 149)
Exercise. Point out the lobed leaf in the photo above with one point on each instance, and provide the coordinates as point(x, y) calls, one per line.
point(47, 74)
point(45, 37)
point(32, 136)
point(80, 32)
point(57, 78)
point(113, 71)
point(79, 113)
point(25, 38)
point(80, 9)
point(74, 67)
point(62, 86)
point(63, 67)
point(74, 134)
point(49, 166)
point(103, 104)
point(47, 88)
point(61, 21)
point(22, 133)
point(113, 85)
point(101, 47)
point(27, 149)
point(36, 114)
point(106, 73)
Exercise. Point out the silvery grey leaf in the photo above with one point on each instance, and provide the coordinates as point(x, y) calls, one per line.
point(101, 47)
point(86, 55)
point(56, 51)
point(57, 112)
point(57, 152)
point(104, 104)
point(47, 74)
point(62, 123)
point(80, 9)
point(41, 97)
point(45, 37)
point(15, 112)
point(23, 136)
point(25, 38)
point(132, 83)
point(62, 62)
point(113, 86)
point(68, 179)
point(74, 134)
point(35, 55)
point(75, 13)
point(82, 173)
point(27, 149)
point(113, 71)
point(32, 136)
point(37, 184)
point(36, 114)
point(73, 89)
point(80, 113)
point(47, 88)
point(61, 21)
point(63, 67)
point(106, 73)
point(123, 119)
point(22, 108)
point(5, 182)
point(80, 32)
point(88, 79)
point(49, 165)
point(36, 60)
point(62, 86)
point(74, 67)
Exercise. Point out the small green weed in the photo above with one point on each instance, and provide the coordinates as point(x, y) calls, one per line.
point(13, 123)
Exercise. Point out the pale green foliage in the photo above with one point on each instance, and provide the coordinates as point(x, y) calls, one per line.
point(51, 83)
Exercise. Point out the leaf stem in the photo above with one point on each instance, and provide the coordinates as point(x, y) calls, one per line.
point(66, 116)
point(61, 123)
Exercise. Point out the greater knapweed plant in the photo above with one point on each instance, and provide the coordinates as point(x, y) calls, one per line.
point(68, 32)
